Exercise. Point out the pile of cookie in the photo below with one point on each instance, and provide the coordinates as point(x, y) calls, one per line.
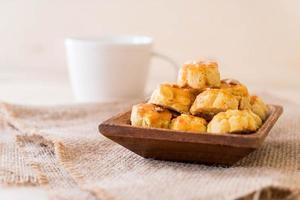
point(201, 102)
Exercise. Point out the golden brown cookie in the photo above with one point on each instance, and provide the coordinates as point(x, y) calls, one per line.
point(259, 107)
point(199, 75)
point(150, 115)
point(189, 123)
point(213, 101)
point(173, 97)
point(239, 90)
point(234, 87)
point(234, 121)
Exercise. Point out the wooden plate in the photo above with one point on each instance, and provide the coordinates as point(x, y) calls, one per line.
point(165, 144)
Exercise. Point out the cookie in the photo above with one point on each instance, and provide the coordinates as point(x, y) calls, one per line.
point(259, 107)
point(173, 97)
point(150, 115)
point(212, 101)
point(199, 75)
point(234, 121)
point(186, 122)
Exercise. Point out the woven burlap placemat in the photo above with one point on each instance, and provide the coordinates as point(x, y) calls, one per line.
point(59, 149)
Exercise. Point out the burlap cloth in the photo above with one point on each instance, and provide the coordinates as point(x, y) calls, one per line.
point(60, 150)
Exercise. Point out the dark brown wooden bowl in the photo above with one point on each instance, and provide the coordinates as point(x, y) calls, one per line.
point(165, 144)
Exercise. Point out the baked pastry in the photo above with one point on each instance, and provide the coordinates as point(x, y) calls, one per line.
point(233, 121)
point(234, 87)
point(199, 75)
point(173, 97)
point(149, 115)
point(213, 101)
point(259, 107)
point(237, 89)
point(188, 123)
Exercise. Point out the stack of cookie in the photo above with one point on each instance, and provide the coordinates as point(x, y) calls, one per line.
point(201, 102)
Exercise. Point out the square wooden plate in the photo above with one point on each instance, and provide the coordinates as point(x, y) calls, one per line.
point(165, 144)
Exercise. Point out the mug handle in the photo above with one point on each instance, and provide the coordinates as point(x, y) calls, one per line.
point(169, 60)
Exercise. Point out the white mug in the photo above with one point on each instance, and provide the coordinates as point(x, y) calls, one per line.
point(110, 68)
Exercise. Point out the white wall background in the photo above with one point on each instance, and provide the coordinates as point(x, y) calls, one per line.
point(257, 41)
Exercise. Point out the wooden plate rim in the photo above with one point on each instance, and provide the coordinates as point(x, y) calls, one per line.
point(113, 128)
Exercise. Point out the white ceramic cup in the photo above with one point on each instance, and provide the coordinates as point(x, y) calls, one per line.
point(110, 68)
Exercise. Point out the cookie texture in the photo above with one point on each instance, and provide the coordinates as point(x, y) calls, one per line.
point(234, 87)
point(213, 101)
point(173, 97)
point(259, 107)
point(186, 122)
point(234, 121)
point(150, 115)
point(237, 89)
point(199, 75)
